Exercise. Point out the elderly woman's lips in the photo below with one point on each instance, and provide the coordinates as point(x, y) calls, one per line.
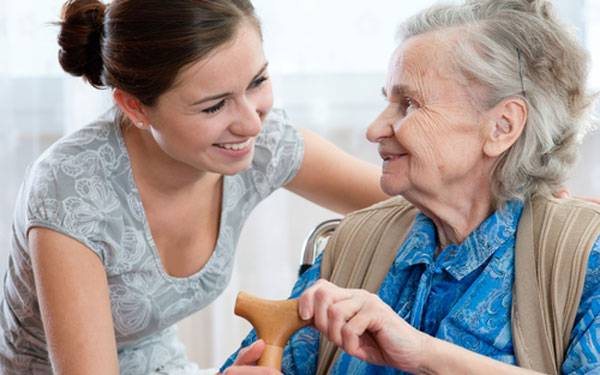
point(392, 157)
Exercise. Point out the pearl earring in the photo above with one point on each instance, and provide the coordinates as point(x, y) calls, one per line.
point(139, 125)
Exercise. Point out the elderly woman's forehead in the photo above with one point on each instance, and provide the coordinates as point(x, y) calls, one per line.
point(429, 50)
point(421, 63)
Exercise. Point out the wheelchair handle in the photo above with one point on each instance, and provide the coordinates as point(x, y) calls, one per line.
point(313, 243)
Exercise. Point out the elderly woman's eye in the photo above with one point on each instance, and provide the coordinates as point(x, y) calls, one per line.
point(408, 105)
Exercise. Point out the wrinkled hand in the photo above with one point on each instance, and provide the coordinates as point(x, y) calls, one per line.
point(363, 326)
point(245, 362)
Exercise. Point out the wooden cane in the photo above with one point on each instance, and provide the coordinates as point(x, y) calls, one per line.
point(274, 322)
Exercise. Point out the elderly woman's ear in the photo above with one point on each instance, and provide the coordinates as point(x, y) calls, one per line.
point(504, 126)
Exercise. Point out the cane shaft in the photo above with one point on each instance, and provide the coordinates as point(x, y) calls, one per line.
point(271, 357)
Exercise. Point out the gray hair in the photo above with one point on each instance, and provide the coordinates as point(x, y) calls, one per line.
point(519, 48)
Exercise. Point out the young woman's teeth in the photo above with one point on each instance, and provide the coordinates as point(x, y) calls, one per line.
point(235, 146)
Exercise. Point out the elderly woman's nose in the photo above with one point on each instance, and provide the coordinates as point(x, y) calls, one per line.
point(380, 129)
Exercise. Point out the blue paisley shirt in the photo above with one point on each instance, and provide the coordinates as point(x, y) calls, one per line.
point(463, 296)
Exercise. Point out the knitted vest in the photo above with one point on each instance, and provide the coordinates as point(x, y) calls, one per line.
point(554, 240)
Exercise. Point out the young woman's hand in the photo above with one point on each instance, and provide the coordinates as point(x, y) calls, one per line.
point(245, 362)
point(565, 193)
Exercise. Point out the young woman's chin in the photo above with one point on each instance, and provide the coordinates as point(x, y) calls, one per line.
point(234, 171)
point(230, 168)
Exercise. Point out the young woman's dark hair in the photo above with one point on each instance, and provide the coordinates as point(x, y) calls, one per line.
point(130, 223)
point(139, 46)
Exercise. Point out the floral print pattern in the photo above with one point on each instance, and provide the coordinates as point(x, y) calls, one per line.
point(464, 296)
point(83, 187)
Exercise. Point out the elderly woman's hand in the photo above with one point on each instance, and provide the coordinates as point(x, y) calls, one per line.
point(245, 362)
point(363, 326)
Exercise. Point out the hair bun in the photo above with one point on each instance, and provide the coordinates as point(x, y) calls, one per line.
point(80, 40)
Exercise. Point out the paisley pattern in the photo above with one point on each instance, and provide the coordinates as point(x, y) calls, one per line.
point(83, 187)
point(462, 296)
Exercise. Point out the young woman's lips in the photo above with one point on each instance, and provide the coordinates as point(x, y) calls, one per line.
point(235, 150)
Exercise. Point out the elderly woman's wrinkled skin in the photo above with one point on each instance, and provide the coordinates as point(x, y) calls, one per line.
point(435, 141)
point(438, 147)
point(429, 135)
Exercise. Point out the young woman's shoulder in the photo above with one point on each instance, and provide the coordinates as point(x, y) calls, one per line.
point(278, 154)
point(73, 186)
point(99, 138)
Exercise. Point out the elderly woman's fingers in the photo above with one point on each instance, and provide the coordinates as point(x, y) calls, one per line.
point(305, 301)
point(338, 316)
point(250, 354)
point(359, 343)
point(323, 298)
point(352, 332)
point(357, 331)
point(314, 302)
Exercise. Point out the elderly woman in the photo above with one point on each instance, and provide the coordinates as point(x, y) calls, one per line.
point(486, 103)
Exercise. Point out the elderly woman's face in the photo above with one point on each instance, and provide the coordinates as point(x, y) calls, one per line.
point(429, 135)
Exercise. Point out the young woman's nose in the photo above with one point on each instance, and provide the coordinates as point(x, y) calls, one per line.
point(249, 119)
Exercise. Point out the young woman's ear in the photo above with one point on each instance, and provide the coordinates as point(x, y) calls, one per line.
point(507, 121)
point(132, 108)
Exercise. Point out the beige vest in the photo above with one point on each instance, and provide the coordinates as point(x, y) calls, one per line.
point(554, 239)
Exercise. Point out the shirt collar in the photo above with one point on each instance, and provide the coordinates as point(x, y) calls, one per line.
point(419, 246)
point(459, 260)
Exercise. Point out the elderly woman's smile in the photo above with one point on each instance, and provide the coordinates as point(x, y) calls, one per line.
point(432, 134)
point(473, 267)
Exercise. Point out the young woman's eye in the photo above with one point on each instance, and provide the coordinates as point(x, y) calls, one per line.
point(259, 81)
point(215, 108)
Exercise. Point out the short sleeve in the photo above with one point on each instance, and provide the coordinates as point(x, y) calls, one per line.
point(68, 192)
point(278, 154)
point(583, 354)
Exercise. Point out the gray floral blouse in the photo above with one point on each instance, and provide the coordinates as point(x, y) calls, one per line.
point(83, 187)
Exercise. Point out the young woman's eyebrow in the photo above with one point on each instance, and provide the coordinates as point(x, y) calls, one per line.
point(226, 94)
point(260, 73)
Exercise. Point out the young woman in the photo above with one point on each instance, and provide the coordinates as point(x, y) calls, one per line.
point(130, 224)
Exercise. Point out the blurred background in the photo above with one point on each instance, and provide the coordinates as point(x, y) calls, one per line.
point(327, 61)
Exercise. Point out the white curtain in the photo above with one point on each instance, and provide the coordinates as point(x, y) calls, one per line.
point(328, 61)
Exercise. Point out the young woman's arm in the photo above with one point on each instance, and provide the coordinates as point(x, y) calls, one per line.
point(74, 302)
point(343, 183)
point(334, 179)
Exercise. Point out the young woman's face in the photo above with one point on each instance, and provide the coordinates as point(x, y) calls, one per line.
point(210, 118)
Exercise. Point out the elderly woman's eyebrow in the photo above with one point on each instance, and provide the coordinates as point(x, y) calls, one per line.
point(399, 91)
